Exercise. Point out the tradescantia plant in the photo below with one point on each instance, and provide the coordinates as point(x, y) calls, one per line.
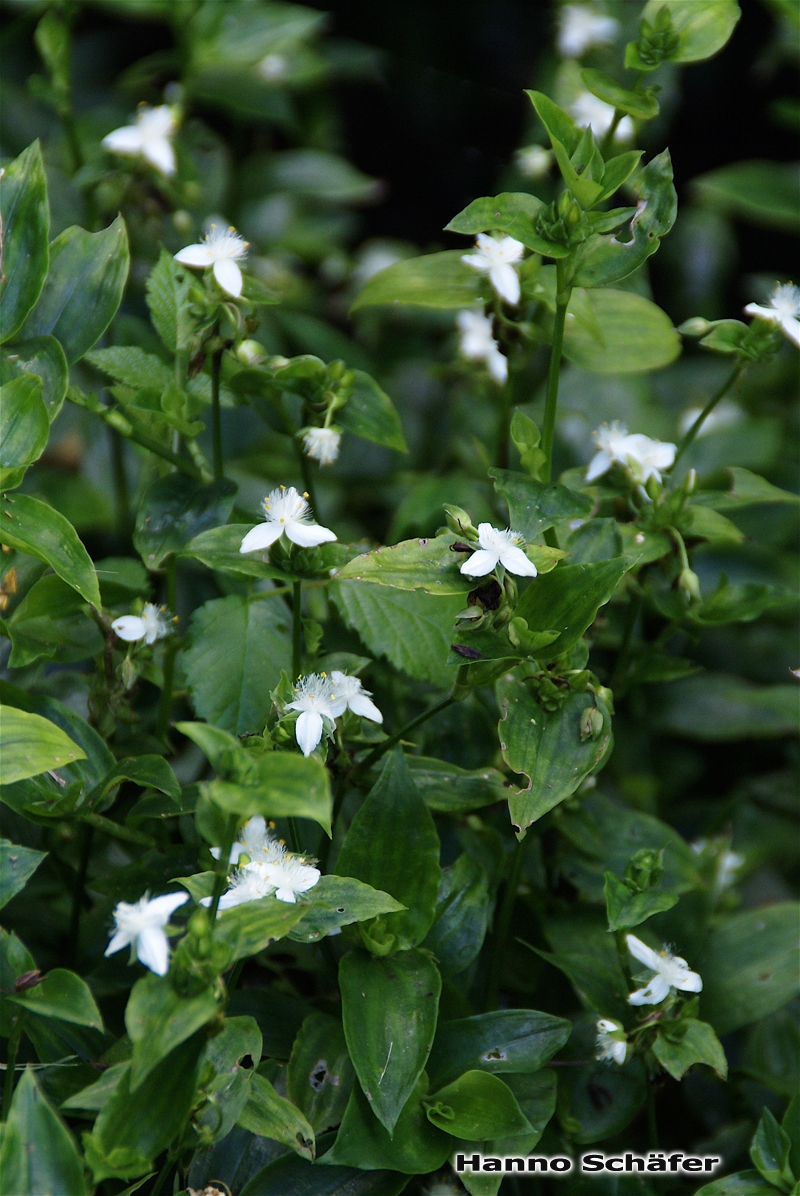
point(315, 940)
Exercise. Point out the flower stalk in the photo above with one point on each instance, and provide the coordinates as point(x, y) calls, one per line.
point(216, 416)
point(563, 293)
point(691, 435)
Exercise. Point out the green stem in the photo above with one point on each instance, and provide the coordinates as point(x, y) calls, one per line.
point(121, 491)
point(704, 414)
point(221, 870)
point(308, 480)
point(233, 979)
point(387, 744)
point(79, 893)
point(608, 140)
point(216, 416)
point(11, 1061)
point(634, 606)
point(297, 629)
point(500, 937)
point(170, 650)
point(162, 1176)
point(116, 831)
point(553, 374)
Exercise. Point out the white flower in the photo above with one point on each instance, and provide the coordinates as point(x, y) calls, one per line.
point(783, 310)
point(150, 626)
point(322, 444)
point(498, 547)
point(497, 257)
point(644, 457)
point(286, 875)
point(581, 26)
point(249, 883)
point(351, 691)
point(590, 112)
point(257, 841)
point(222, 248)
point(533, 161)
point(292, 875)
point(670, 972)
point(142, 925)
point(151, 137)
point(316, 698)
point(286, 511)
point(273, 68)
point(611, 1043)
point(725, 415)
point(478, 344)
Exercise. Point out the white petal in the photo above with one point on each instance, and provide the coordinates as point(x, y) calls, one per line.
point(480, 563)
point(652, 994)
point(130, 628)
point(195, 255)
point(307, 535)
point(286, 895)
point(791, 328)
point(120, 940)
point(764, 313)
point(478, 261)
point(263, 535)
point(338, 705)
point(229, 276)
point(515, 560)
point(498, 365)
point(165, 906)
point(153, 951)
point(618, 1052)
point(160, 153)
point(646, 955)
point(505, 281)
point(361, 704)
point(599, 464)
point(231, 898)
point(127, 140)
point(690, 983)
point(308, 731)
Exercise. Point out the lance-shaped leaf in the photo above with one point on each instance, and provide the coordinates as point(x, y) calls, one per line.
point(41, 357)
point(510, 1040)
point(643, 105)
point(476, 1106)
point(26, 224)
point(436, 280)
point(30, 744)
point(17, 866)
point(35, 527)
point(512, 212)
point(627, 909)
point(568, 600)
point(273, 1116)
point(389, 1010)
point(535, 506)
point(463, 909)
point(24, 427)
point(219, 549)
point(558, 123)
point(291, 1173)
point(248, 928)
point(147, 771)
point(448, 789)
point(771, 1151)
point(419, 564)
point(175, 510)
point(38, 1155)
point(64, 995)
point(678, 1048)
point(277, 785)
point(371, 414)
point(320, 1074)
point(83, 288)
point(158, 1019)
point(340, 901)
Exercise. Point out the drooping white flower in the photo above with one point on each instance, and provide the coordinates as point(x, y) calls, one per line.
point(496, 256)
point(533, 161)
point(322, 444)
point(150, 138)
point(221, 249)
point(257, 841)
point(643, 456)
point(611, 1045)
point(142, 926)
point(589, 112)
point(478, 343)
point(317, 698)
point(150, 626)
point(290, 876)
point(724, 415)
point(352, 692)
point(783, 310)
point(273, 68)
point(670, 972)
point(581, 26)
point(286, 511)
point(496, 546)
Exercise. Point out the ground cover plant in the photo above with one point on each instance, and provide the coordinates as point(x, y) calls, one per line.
point(399, 701)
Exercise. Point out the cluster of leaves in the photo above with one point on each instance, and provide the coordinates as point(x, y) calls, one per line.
point(477, 879)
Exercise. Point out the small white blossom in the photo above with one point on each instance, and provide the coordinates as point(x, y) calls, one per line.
point(643, 456)
point(589, 112)
point(150, 626)
point(284, 876)
point(351, 691)
point(478, 344)
point(725, 415)
point(783, 310)
point(249, 883)
point(671, 972)
point(290, 876)
point(582, 26)
point(221, 249)
point(286, 511)
point(534, 161)
point(322, 444)
point(498, 547)
point(150, 138)
point(273, 68)
point(317, 699)
point(497, 256)
point(257, 841)
point(142, 926)
point(611, 1045)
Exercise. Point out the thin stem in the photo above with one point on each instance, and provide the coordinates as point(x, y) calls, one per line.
point(308, 480)
point(121, 491)
point(553, 374)
point(79, 892)
point(162, 1176)
point(216, 416)
point(704, 414)
point(170, 650)
point(233, 979)
point(608, 140)
point(387, 744)
point(11, 1057)
point(500, 938)
point(221, 870)
point(124, 833)
point(504, 422)
point(297, 629)
point(634, 606)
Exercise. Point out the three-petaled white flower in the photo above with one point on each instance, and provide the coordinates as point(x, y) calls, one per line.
point(249, 883)
point(581, 26)
point(671, 972)
point(221, 249)
point(478, 343)
point(498, 547)
point(357, 699)
point(783, 310)
point(150, 138)
point(286, 511)
point(641, 455)
point(611, 1043)
point(284, 875)
point(142, 926)
point(255, 840)
point(322, 444)
point(317, 699)
point(497, 256)
point(150, 626)
point(589, 112)
point(290, 876)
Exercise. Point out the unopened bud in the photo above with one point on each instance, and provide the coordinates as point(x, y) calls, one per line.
point(129, 673)
point(606, 696)
point(696, 327)
point(459, 521)
point(689, 582)
point(198, 924)
point(251, 353)
point(591, 723)
point(645, 869)
point(182, 221)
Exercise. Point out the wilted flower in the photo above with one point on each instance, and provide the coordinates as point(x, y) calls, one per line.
point(671, 972)
point(581, 26)
point(150, 626)
point(496, 256)
point(286, 511)
point(142, 926)
point(322, 444)
point(351, 691)
point(478, 343)
point(533, 161)
point(317, 698)
point(498, 547)
point(783, 310)
point(643, 456)
point(221, 248)
point(590, 112)
point(150, 138)
point(611, 1044)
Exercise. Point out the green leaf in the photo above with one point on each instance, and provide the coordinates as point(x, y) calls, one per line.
point(585, 189)
point(448, 789)
point(535, 506)
point(248, 928)
point(509, 1040)
point(703, 523)
point(83, 289)
point(758, 192)
point(679, 1048)
point(30, 745)
point(146, 771)
point(133, 367)
point(627, 909)
point(718, 708)
point(569, 599)
point(219, 549)
point(272, 1116)
point(741, 1183)
point(389, 1009)
point(95, 1096)
point(414, 1146)
point(25, 217)
point(167, 290)
point(34, 527)
point(37, 1155)
point(463, 908)
point(476, 1106)
point(703, 29)
point(277, 785)
point(601, 1100)
point(634, 334)
point(512, 212)
point(15, 960)
point(228, 1091)
point(176, 509)
point(436, 280)
point(419, 564)
point(320, 1074)
point(405, 866)
point(292, 1174)
point(617, 171)
point(40, 357)
point(371, 414)
point(747, 489)
point(750, 966)
point(640, 104)
point(17, 866)
point(559, 124)
point(64, 995)
point(347, 901)
point(770, 1151)
point(536, 1096)
point(791, 1125)
point(739, 603)
point(24, 427)
point(98, 756)
point(158, 1019)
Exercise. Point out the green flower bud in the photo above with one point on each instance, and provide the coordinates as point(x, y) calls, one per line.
point(459, 522)
point(198, 924)
point(695, 327)
point(251, 353)
point(644, 869)
point(129, 673)
point(689, 582)
point(657, 41)
point(591, 724)
point(182, 221)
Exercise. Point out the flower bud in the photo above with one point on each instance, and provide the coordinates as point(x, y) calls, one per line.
point(606, 696)
point(695, 327)
point(591, 724)
point(657, 41)
point(129, 673)
point(251, 353)
point(459, 522)
point(645, 869)
point(689, 582)
point(197, 925)
point(183, 222)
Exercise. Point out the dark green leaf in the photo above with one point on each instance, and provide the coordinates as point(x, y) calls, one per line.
point(51, 621)
point(718, 708)
point(477, 1106)
point(747, 489)
point(463, 908)
point(37, 1155)
point(248, 928)
point(627, 909)
point(64, 995)
point(568, 599)
point(175, 510)
point(513, 213)
point(415, 1145)
point(293, 1174)
point(320, 1074)
point(510, 1040)
point(219, 549)
point(17, 866)
point(419, 564)
point(146, 771)
point(340, 901)
point(436, 280)
point(279, 1017)
point(618, 332)
point(158, 1019)
point(41, 357)
point(25, 219)
point(448, 789)
point(30, 744)
point(770, 1152)
point(741, 1183)
point(536, 1096)
point(24, 427)
point(759, 192)
point(273, 1116)
point(371, 414)
point(36, 528)
point(677, 1052)
point(535, 506)
point(278, 785)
